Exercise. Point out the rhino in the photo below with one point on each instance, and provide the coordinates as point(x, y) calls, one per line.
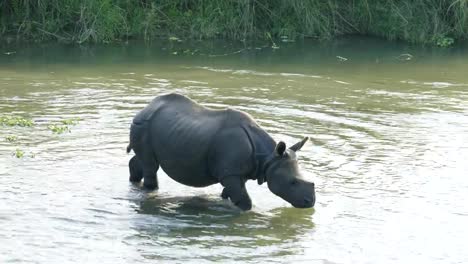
point(198, 146)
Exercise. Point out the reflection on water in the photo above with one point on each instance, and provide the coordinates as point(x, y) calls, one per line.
point(206, 228)
point(388, 154)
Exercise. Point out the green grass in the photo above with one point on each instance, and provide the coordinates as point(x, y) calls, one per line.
point(419, 21)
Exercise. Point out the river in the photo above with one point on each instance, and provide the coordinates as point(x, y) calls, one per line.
point(388, 153)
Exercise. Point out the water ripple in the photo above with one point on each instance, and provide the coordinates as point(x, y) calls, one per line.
point(388, 158)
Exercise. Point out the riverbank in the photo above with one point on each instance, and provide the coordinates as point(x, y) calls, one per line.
point(78, 21)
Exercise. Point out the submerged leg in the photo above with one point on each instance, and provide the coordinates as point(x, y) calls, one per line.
point(149, 166)
point(149, 174)
point(136, 172)
point(140, 139)
point(146, 167)
point(234, 189)
point(224, 194)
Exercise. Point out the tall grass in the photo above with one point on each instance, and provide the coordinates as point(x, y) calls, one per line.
point(419, 21)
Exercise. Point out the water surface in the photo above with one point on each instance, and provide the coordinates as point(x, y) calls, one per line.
point(388, 154)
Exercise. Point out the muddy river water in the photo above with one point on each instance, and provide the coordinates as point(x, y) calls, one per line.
point(388, 153)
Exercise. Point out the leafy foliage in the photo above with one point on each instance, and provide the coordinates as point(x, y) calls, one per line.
point(18, 153)
point(58, 129)
point(15, 121)
point(11, 138)
point(421, 21)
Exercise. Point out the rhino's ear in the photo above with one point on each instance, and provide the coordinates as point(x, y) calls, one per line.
point(299, 144)
point(280, 148)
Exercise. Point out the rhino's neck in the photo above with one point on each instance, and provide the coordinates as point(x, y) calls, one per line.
point(261, 164)
point(263, 146)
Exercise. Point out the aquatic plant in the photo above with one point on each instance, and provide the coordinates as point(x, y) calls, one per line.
point(64, 125)
point(18, 153)
point(16, 121)
point(419, 21)
point(11, 138)
point(58, 129)
point(71, 121)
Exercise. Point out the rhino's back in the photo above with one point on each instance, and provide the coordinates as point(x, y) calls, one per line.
point(182, 133)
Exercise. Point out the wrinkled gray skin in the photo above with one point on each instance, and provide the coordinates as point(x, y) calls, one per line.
point(197, 146)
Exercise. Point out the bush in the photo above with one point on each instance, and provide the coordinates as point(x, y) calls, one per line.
point(419, 21)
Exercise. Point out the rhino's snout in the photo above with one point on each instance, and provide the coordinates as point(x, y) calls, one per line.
point(298, 192)
point(308, 202)
point(309, 198)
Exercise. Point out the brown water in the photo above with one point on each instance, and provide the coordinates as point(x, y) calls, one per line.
point(388, 155)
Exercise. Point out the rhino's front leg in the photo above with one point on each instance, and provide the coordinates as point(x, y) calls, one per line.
point(234, 189)
point(224, 194)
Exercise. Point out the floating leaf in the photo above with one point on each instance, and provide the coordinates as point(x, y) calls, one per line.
point(11, 138)
point(72, 121)
point(16, 121)
point(59, 129)
point(18, 153)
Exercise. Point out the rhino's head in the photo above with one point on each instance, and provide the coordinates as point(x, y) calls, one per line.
point(284, 179)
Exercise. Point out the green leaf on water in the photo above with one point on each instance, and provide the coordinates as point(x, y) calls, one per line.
point(11, 138)
point(71, 121)
point(58, 129)
point(16, 121)
point(64, 125)
point(18, 153)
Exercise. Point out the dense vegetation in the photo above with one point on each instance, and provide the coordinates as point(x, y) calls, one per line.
point(419, 21)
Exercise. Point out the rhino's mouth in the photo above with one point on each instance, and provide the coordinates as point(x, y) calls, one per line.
point(306, 203)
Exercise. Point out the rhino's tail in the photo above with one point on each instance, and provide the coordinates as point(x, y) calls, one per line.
point(129, 148)
point(136, 136)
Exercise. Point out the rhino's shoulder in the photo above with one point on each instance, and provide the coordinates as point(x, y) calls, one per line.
point(235, 117)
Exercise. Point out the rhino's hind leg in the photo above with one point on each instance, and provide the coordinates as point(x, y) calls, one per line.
point(136, 171)
point(144, 165)
point(149, 174)
point(149, 167)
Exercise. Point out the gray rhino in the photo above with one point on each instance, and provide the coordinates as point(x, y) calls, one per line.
point(198, 147)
